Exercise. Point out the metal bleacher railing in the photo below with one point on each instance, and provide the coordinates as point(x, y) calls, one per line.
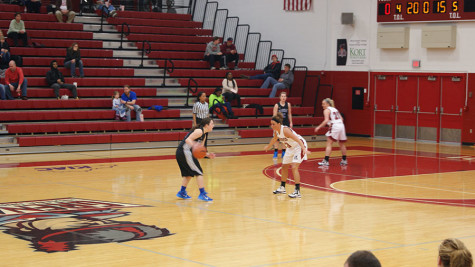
point(169, 67)
point(124, 33)
point(249, 44)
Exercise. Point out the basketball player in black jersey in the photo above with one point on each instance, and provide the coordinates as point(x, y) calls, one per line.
point(189, 165)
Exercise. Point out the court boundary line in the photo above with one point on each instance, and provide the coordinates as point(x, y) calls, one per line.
point(98, 159)
point(335, 190)
point(374, 180)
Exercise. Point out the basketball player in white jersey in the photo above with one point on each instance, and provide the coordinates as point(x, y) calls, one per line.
point(336, 131)
point(296, 153)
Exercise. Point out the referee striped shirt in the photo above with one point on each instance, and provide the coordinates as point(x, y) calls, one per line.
point(201, 110)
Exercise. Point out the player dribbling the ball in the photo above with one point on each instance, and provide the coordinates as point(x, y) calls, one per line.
point(189, 165)
point(296, 153)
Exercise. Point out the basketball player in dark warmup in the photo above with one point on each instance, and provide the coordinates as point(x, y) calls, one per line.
point(189, 165)
point(285, 108)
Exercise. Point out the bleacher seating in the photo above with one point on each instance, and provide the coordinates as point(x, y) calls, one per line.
point(44, 121)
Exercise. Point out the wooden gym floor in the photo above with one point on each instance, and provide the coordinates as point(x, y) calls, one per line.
point(118, 208)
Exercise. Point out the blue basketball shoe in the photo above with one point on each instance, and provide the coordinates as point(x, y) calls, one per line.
point(183, 194)
point(204, 196)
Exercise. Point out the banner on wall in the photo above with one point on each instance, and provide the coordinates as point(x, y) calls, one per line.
point(352, 52)
point(341, 54)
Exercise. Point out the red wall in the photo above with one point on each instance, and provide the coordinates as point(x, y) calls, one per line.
point(361, 121)
point(356, 121)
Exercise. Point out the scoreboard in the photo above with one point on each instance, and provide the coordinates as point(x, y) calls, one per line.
point(425, 10)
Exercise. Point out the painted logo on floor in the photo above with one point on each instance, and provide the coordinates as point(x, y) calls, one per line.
point(76, 168)
point(60, 225)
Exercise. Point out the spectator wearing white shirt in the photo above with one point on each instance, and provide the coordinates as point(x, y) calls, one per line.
point(230, 89)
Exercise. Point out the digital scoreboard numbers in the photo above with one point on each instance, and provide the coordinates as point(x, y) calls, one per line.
point(425, 11)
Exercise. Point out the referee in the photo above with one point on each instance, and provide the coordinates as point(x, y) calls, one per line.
point(201, 111)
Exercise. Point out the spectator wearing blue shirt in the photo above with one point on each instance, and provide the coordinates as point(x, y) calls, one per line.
point(129, 99)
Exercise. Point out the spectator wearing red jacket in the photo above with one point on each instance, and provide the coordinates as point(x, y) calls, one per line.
point(16, 81)
point(230, 53)
point(271, 70)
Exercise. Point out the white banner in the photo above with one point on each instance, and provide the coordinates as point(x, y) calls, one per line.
point(358, 53)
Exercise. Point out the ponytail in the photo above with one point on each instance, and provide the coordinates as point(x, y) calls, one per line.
point(453, 253)
point(461, 258)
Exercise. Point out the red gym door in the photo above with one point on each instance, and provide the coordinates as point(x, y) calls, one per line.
point(451, 108)
point(384, 105)
point(406, 105)
point(428, 108)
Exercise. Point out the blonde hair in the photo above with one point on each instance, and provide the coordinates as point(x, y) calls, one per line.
point(453, 253)
point(330, 102)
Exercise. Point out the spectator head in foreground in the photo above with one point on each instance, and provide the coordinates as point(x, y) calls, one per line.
point(453, 253)
point(362, 258)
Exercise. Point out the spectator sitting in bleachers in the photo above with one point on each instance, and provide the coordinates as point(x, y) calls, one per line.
point(171, 9)
point(271, 70)
point(55, 80)
point(14, 79)
point(230, 89)
point(285, 81)
point(109, 10)
point(17, 30)
point(213, 53)
point(230, 53)
point(216, 101)
point(2, 92)
point(73, 58)
point(144, 5)
point(129, 99)
point(64, 7)
point(4, 55)
point(118, 107)
point(33, 6)
point(362, 258)
point(453, 253)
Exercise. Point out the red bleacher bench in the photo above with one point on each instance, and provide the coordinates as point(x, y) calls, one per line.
point(167, 30)
point(72, 103)
point(256, 133)
point(153, 15)
point(118, 82)
point(40, 25)
point(96, 126)
point(88, 62)
point(169, 38)
point(156, 22)
point(99, 139)
point(218, 82)
point(59, 52)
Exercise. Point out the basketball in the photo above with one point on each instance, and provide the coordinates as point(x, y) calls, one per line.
point(199, 151)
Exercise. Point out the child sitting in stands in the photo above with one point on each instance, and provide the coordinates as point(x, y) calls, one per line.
point(110, 9)
point(118, 107)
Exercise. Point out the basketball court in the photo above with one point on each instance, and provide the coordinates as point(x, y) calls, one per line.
point(118, 208)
